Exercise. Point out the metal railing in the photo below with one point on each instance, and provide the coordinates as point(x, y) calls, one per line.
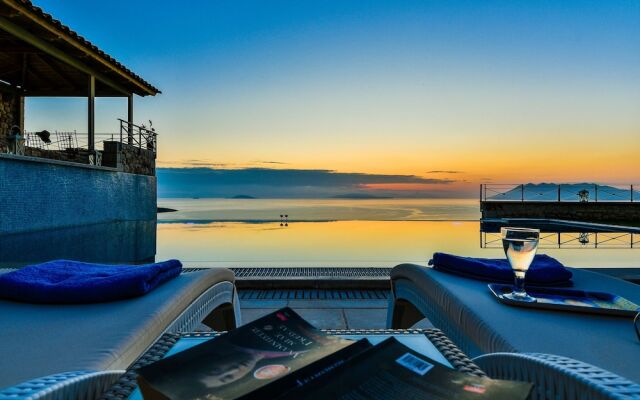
point(74, 146)
point(138, 135)
point(572, 240)
point(559, 192)
point(67, 141)
point(132, 134)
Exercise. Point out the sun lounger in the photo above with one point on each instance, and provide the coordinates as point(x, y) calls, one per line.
point(77, 351)
point(537, 345)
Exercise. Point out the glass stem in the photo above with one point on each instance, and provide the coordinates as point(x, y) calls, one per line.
point(518, 289)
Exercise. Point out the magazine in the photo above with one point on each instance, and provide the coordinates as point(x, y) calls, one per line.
point(391, 371)
point(281, 356)
point(243, 362)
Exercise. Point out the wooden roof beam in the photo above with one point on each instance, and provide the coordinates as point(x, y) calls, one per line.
point(18, 49)
point(43, 45)
point(25, 13)
point(57, 70)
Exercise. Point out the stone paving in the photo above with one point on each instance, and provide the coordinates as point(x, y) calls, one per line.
point(327, 314)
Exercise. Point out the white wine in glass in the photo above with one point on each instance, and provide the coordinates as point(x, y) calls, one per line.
point(520, 246)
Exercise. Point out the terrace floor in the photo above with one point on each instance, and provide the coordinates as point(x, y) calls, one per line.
point(329, 298)
point(323, 308)
point(333, 298)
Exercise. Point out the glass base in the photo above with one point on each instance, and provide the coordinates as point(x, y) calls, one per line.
point(516, 297)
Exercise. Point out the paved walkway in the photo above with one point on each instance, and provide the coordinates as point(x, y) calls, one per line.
point(367, 311)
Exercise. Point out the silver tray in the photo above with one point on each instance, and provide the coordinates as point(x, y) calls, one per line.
point(569, 300)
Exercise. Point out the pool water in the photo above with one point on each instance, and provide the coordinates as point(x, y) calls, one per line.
point(336, 243)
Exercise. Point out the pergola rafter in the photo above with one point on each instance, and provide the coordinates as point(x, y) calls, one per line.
point(41, 57)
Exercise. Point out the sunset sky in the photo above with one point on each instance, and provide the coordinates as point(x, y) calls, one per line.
point(453, 92)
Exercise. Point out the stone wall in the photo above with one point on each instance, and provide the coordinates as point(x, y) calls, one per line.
point(129, 158)
point(76, 156)
point(37, 194)
point(117, 155)
point(604, 212)
point(11, 107)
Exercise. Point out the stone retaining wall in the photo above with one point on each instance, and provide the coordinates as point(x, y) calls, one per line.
point(129, 158)
point(76, 156)
point(610, 212)
point(117, 155)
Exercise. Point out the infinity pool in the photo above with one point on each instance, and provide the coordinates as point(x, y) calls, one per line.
point(331, 243)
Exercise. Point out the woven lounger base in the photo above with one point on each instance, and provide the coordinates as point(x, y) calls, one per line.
point(79, 385)
point(218, 307)
point(127, 382)
point(556, 377)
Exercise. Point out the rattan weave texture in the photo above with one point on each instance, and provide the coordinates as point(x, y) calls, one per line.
point(557, 377)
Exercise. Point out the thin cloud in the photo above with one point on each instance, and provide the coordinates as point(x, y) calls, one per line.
point(196, 163)
point(213, 164)
point(444, 172)
point(269, 162)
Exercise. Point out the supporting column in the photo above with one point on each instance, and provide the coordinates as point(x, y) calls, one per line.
point(20, 98)
point(130, 118)
point(20, 119)
point(91, 114)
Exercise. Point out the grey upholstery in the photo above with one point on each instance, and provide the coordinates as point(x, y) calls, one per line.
point(38, 340)
point(466, 311)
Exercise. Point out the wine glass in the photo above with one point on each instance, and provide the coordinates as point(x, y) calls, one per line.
point(520, 245)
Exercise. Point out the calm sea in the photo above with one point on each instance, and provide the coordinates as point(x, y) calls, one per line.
point(325, 232)
point(319, 210)
point(343, 232)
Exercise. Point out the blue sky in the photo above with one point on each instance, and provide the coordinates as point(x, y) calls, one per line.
point(385, 87)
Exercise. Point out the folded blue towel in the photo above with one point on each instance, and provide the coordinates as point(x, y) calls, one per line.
point(544, 270)
point(72, 282)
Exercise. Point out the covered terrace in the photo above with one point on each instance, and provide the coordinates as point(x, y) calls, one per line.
point(41, 57)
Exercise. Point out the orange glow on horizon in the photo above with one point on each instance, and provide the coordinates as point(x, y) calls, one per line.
point(406, 186)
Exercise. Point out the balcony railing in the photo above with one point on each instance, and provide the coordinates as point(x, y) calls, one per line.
point(67, 141)
point(138, 142)
point(135, 135)
point(138, 135)
point(559, 193)
point(572, 240)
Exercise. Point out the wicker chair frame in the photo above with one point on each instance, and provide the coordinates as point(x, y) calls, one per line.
point(554, 377)
point(217, 307)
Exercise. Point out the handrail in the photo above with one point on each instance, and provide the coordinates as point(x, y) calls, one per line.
point(571, 240)
point(138, 135)
point(76, 147)
point(560, 192)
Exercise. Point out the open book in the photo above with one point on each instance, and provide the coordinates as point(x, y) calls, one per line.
point(283, 356)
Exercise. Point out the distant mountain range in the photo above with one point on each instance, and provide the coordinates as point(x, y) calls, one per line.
point(568, 192)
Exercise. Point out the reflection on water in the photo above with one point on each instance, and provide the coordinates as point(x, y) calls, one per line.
point(565, 234)
point(116, 242)
point(358, 235)
point(346, 243)
point(265, 210)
